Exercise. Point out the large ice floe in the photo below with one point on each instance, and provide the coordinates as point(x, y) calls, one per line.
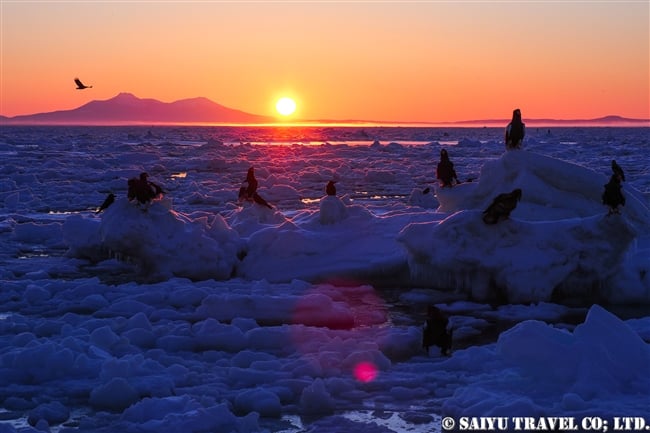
point(558, 243)
point(163, 243)
point(557, 371)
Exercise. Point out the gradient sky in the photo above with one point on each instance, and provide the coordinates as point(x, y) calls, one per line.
point(365, 60)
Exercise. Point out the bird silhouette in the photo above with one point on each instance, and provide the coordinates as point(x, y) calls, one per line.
point(143, 190)
point(618, 171)
point(330, 189)
point(501, 206)
point(613, 196)
point(109, 201)
point(248, 191)
point(435, 332)
point(80, 85)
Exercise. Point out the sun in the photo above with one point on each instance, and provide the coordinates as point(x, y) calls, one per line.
point(285, 106)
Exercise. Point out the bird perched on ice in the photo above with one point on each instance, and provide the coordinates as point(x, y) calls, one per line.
point(143, 190)
point(330, 189)
point(501, 206)
point(435, 332)
point(248, 191)
point(445, 171)
point(618, 171)
point(109, 201)
point(515, 131)
point(613, 195)
point(80, 85)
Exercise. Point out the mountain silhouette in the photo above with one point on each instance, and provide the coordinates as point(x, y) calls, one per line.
point(128, 108)
point(600, 121)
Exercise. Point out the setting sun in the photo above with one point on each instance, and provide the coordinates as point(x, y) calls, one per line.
point(285, 106)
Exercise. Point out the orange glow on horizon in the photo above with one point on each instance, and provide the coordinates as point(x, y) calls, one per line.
point(396, 63)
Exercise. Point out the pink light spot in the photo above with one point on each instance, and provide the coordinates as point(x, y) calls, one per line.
point(365, 372)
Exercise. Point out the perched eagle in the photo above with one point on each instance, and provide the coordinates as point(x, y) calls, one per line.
point(618, 171)
point(501, 206)
point(330, 189)
point(613, 195)
point(435, 332)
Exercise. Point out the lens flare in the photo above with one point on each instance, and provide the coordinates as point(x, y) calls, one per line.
point(365, 372)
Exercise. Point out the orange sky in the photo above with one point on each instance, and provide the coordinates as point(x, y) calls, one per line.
point(402, 61)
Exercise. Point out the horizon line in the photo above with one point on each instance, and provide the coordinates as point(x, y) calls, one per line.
point(605, 120)
point(494, 123)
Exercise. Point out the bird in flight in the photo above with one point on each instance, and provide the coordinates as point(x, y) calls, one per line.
point(80, 85)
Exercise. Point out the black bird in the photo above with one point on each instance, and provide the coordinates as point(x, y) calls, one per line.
point(330, 189)
point(435, 332)
point(109, 201)
point(248, 191)
point(515, 131)
point(143, 189)
point(80, 85)
point(445, 171)
point(613, 194)
point(501, 206)
point(618, 171)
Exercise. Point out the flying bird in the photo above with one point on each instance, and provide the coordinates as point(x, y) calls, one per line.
point(618, 171)
point(613, 196)
point(80, 85)
point(501, 206)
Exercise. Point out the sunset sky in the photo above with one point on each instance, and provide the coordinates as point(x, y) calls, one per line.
point(405, 61)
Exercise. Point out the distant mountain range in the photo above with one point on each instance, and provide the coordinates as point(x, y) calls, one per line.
point(126, 108)
point(600, 121)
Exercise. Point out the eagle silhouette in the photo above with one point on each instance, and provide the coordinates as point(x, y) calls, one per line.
point(501, 206)
point(618, 171)
point(435, 332)
point(613, 195)
point(330, 189)
point(80, 85)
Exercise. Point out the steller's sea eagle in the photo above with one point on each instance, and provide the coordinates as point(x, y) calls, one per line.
point(80, 85)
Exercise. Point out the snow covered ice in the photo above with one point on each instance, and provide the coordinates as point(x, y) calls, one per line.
point(558, 242)
point(202, 314)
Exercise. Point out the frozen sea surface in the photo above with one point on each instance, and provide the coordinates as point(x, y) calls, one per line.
point(204, 314)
